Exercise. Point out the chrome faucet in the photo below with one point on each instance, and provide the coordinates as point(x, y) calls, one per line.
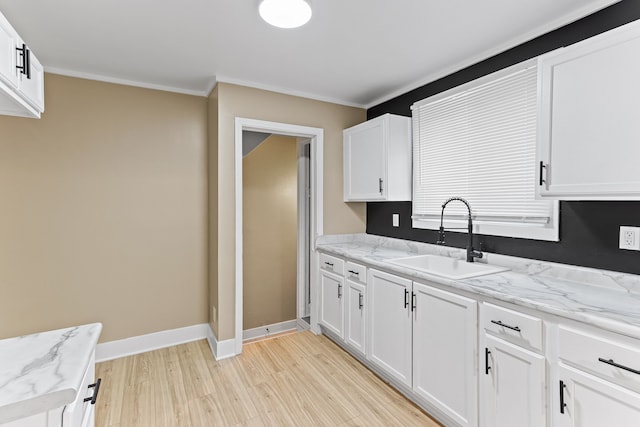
point(471, 253)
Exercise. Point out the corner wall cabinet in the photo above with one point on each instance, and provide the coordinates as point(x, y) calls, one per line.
point(377, 160)
point(588, 131)
point(21, 75)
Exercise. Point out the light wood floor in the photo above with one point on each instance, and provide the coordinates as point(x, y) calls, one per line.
point(293, 380)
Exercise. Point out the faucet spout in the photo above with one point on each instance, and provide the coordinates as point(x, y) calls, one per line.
point(471, 253)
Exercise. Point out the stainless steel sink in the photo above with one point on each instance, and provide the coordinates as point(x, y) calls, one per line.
point(446, 267)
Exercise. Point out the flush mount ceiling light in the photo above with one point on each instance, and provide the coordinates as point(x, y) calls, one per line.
point(285, 13)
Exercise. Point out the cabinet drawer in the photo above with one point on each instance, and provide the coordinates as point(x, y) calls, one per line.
point(331, 263)
point(356, 272)
point(512, 326)
point(616, 361)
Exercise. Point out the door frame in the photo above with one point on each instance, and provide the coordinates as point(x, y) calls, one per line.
point(316, 135)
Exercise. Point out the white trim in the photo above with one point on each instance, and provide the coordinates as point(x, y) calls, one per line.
point(275, 328)
point(125, 82)
point(317, 148)
point(516, 41)
point(304, 227)
point(285, 91)
point(149, 342)
point(220, 349)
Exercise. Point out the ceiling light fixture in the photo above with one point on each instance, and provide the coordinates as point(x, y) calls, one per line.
point(285, 13)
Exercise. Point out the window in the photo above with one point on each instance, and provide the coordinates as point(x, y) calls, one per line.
point(478, 141)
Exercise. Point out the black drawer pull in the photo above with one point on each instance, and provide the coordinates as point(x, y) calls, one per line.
point(406, 298)
point(330, 264)
point(360, 305)
point(487, 368)
point(499, 323)
point(96, 387)
point(562, 404)
point(617, 365)
point(353, 272)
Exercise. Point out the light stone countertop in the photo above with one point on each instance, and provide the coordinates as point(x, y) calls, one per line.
point(43, 371)
point(606, 299)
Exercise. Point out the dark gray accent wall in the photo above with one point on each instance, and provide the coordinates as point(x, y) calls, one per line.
point(588, 230)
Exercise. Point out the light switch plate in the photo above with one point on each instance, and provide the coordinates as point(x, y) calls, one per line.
point(396, 220)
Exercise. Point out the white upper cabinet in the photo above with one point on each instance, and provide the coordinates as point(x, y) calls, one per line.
point(377, 160)
point(588, 127)
point(21, 75)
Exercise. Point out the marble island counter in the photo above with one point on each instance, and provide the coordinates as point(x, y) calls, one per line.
point(44, 371)
point(605, 299)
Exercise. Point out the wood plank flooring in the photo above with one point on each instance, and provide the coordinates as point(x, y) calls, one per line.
point(296, 379)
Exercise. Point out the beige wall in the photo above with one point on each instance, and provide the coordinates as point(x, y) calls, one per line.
point(339, 217)
point(103, 210)
point(270, 230)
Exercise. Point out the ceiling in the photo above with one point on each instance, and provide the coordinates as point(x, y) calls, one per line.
point(354, 52)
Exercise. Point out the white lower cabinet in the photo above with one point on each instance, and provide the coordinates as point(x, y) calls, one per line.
point(444, 349)
point(587, 401)
point(79, 413)
point(390, 337)
point(355, 313)
point(331, 302)
point(598, 379)
point(512, 385)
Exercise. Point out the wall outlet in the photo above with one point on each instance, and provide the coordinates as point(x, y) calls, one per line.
point(630, 238)
point(396, 220)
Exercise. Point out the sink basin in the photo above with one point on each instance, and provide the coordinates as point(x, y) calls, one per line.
point(446, 267)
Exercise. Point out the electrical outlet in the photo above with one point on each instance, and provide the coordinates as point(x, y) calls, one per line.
point(396, 220)
point(630, 238)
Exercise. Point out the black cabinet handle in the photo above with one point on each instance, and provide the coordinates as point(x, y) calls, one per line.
point(406, 298)
point(96, 390)
point(617, 365)
point(25, 68)
point(499, 323)
point(339, 290)
point(353, 272)
point(542, 167)
point(487, 368)
point(360, 301)
point(562, 404)
point(330, 264)
point(413, 301)
point(380, 184)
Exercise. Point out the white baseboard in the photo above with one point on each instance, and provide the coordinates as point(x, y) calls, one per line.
point(261, 331)
point(143, 343)
point(220, 349)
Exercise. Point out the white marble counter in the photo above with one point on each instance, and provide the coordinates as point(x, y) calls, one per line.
point(43, 371)
point(606, 299)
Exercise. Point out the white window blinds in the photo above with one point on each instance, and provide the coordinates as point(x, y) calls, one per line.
point(478, 142)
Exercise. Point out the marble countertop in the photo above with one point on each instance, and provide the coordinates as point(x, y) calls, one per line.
point(605, 299)
point(43, 371)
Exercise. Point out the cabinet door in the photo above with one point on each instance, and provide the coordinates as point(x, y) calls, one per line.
point(591, 402)
point(444, 352)
point(588, 129)
point(512, 385)
point(390, 324)
point(365, 161)
point(33, 87)
point(8, 54)
point(331, 306)
point(356, 315)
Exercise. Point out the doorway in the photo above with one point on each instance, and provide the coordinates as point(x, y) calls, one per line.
point(310, 143)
